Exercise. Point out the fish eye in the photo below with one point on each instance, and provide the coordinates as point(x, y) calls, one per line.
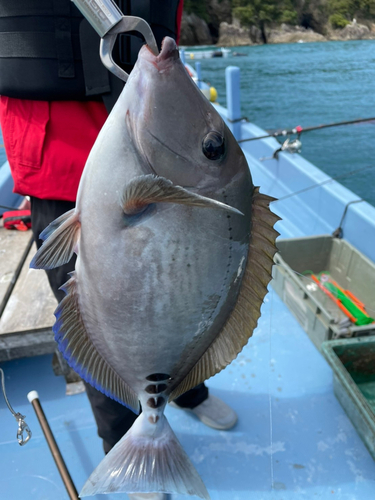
point(213, 146)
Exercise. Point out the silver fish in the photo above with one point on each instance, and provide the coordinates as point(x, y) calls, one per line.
point(175, 249)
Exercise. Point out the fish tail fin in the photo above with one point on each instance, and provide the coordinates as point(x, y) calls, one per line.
point(148, 458)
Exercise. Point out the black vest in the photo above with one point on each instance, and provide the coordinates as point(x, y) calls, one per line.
point(48, 51)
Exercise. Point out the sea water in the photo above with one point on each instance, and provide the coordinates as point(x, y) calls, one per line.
point(309, 84)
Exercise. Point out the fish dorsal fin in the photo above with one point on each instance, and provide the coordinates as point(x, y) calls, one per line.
point(61, 239)
point(244, 317)
point(146, 189)
point(81, 354)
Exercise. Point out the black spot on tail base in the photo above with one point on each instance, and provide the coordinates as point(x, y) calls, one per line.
point(155, 402)
point(155, 389)
point(158, 377)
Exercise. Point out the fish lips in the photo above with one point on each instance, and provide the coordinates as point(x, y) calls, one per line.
point(168, 55)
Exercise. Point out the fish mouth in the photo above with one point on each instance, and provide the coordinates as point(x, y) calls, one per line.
point(168, 54)
point(168, 49)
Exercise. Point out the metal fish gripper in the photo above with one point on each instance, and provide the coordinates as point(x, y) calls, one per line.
point(108, 21)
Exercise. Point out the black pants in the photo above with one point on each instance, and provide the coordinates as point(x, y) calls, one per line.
point(112, 419)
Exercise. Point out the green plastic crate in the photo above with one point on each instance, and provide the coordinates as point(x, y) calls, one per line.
point(353, 365)
point(317, 313)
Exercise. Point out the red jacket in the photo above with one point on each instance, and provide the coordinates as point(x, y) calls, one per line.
point(47, 144)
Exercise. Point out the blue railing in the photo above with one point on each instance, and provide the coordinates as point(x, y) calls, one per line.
point(7, 197)
point(310, 202)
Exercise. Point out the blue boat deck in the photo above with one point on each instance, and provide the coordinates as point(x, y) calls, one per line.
point(293, 440)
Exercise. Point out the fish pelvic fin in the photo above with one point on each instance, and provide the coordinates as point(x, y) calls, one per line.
point(146, 189)
point(145, 461)
point(61, 239)
point(241, 323)
point(81, 354)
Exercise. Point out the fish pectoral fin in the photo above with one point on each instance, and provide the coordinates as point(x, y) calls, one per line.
point(46, 233)
point(146, 189)
point(243, 319)
point(81, 354)
point(61, 239)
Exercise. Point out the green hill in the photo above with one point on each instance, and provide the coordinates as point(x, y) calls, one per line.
point(318, 15)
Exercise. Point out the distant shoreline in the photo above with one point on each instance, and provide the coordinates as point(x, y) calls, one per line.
point(187, 47)
point(216, 46)
point(234, 35)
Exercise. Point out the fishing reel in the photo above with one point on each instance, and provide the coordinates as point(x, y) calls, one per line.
point(290, 146)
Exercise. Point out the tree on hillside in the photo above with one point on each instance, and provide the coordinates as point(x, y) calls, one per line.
point(260, 13)
point(368, 9)
point(197, 7)
point(344, 11)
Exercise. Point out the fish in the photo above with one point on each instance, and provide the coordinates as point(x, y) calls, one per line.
point(174, 249)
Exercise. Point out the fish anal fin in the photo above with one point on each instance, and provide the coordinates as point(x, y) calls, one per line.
point(243, 319)
point(81, 354)
point(146, 189)
point(61, 241)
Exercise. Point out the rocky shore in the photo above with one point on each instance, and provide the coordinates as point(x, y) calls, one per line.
point(231, 35)
point(195, 31)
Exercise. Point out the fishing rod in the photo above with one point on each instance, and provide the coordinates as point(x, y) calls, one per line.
point(327, 181)
point(9, 208)
point(299, 130)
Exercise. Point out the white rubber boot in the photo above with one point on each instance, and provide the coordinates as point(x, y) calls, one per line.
point(213, 412)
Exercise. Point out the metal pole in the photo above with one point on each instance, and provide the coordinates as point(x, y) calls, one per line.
point(33, 398)
point(232, 80)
